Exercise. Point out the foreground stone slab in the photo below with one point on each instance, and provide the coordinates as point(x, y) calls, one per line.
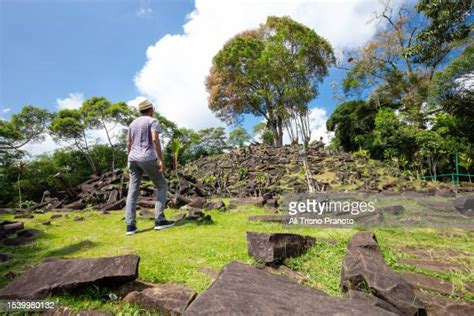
point(168, 298)
point(441, 306)
point(278, 246)
point(241, 289)
point(64, 274)
point(420, 281)
point(8, 227)
point(465, 205)
point(364, 269)
point(435, 265)
point(372, 300)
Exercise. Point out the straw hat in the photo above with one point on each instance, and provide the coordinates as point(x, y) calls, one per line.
point(144, 105)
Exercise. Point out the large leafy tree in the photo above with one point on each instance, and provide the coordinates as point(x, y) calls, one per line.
point(353, 123)
point(267, 71)
point(29, 125)
point(452, 90)
point(99, 113)
point(448, 27)
point(397, 65)
point(238, 137)
point(70, 126)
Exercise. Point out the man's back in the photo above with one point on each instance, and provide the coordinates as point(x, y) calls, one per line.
point(141, 141)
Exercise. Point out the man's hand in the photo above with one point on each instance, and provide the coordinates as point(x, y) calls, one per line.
point(162, 166)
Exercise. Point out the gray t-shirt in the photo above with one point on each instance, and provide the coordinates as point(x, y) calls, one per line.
point(139, 132)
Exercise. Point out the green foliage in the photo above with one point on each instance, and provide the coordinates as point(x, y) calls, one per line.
point(452, 91)
point(352, 123)
point(238, 137)
point(29, 125)
point(262, 133)
point(266, 71)
point(447, 28)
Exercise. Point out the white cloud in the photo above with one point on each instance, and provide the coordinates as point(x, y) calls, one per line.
point(134, 102)
point(48, 145)
point(317, 123)
point(177, 65)
point(73, 101)
point(6, 110)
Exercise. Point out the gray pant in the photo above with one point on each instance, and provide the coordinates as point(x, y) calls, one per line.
point(136, 170)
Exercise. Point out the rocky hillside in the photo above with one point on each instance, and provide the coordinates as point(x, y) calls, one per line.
point(253, 170)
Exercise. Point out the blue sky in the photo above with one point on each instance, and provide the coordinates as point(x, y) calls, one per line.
point(56, 53)
point(53, 48)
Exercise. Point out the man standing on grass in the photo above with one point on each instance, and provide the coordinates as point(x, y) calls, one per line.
point(145, 156)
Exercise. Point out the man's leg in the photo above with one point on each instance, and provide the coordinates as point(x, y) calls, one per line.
point(135, 174)
point(156, 176)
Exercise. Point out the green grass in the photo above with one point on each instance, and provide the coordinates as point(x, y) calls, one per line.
point(175, 255)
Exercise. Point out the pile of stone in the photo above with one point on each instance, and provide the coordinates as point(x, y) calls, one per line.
point(108, 192)
point(15, 234)
point(256, 169)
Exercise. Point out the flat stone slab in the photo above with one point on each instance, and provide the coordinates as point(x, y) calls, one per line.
point(277, 246)
point(241, 289)
point(465, 205)
point(435, 265)
point(442, 306)
point(9, 227)
point(392, 209)
point(434, 253)
point(168, 298)
point(64, 274)
point(372, 300)
point(420, 281)
point(364, 269)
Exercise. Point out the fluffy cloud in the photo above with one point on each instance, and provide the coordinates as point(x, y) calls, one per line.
point(177, 65)
point(134, 102)
point(73, 101)
point(6, 110)
point(317, 122)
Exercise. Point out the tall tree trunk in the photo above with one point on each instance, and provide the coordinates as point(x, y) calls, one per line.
point(111, 145)
point(307, 170)
point(280, 131)
point(86, 154)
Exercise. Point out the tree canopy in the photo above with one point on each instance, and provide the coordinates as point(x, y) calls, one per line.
point(267, 71)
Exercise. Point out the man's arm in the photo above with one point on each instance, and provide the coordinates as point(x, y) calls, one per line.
point(156, 142)
point(129, 144)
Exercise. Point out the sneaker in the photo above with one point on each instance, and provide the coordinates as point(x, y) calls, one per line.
point(131, 230)
point(163, 224)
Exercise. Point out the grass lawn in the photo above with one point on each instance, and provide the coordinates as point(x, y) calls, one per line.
point(177, 254)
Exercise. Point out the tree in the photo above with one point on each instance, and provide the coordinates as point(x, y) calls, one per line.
point(398, 64)
point(69, 125)
point(452, 90)
point(262, 133)
point(99, 113)
point(432, 147)
point(267, 70)
point(448, 27)
point(238, 137)
point(176, 147)
point(29, 125)
point(353, 123)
